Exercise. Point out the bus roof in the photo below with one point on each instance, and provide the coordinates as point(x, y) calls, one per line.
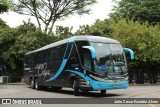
point(77, 38)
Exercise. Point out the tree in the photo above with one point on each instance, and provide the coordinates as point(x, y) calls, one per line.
point(49, 11)
point(83, 30)
point(99, 28)
point(15, 42)
point(63, 31)
point(142, 38)
point(3, 24)
point(4, 5)
point(142, 10)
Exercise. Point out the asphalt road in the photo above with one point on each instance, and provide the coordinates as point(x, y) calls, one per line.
point(24, 91)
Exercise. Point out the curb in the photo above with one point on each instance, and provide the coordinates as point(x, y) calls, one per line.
point(19, 83)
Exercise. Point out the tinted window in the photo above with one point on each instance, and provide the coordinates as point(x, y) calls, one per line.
point(58, 52)
point(81, 50)
point(47, 55)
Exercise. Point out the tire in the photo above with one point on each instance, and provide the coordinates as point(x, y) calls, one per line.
point(36, 84)
point(103, 92)
point(32, 83)
point(75, 87)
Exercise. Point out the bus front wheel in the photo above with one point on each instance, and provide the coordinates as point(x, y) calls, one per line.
point(75, 87)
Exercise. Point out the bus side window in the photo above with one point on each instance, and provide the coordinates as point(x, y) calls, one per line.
point(48, 55)
point(38, 57)
point(80, 49)
point(58, 52)
point(87, 60)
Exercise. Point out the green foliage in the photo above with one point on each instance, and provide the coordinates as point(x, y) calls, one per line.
point(5, 5)
point(83, 30)
point(63, 31)
point(142, 38)
point(99, 28)
point(3, 24)
point(142, 10)
point(15, 42)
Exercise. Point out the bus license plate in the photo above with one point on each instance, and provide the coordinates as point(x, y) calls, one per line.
point(115, 86)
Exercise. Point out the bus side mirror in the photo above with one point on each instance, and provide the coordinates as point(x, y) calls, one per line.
point(92, 50)
point(130, 51)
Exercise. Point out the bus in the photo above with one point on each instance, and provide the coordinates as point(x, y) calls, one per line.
point(84, 63)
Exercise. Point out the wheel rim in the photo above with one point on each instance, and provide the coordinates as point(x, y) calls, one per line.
point(32, 83)
point(36, 84)
point(74, 84)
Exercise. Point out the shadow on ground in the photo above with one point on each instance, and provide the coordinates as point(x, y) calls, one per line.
point(92, 94)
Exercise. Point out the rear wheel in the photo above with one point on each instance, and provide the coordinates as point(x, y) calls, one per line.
point(37, 87)
point(75, 87)
point(32, 83)
point(103, 92)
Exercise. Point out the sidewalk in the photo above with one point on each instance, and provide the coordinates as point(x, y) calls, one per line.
point(17, 83)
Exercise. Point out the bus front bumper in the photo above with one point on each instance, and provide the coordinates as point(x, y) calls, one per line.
point(97, 85)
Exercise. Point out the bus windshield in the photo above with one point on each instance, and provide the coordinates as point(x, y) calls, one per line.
point(109, 57)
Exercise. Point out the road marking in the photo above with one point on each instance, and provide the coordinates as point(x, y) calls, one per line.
point(140, 93)
point(152, 105)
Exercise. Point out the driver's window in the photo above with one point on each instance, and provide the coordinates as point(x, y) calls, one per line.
point(85, 54)
point(87, 60)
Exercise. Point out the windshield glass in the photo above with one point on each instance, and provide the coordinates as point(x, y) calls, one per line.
point(109, 57)
point(117, 54)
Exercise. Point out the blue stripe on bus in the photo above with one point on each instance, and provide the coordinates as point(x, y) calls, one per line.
point(59, 70)
point(72, 39)
point(64, 61)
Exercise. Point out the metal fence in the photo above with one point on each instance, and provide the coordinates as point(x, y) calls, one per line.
point(4, 80)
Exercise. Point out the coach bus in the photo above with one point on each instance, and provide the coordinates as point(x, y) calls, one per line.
point(86, 63)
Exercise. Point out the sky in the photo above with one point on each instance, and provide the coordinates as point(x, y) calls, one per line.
point(100, 10)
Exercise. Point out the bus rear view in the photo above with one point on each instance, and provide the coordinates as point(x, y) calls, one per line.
point(89, 63)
